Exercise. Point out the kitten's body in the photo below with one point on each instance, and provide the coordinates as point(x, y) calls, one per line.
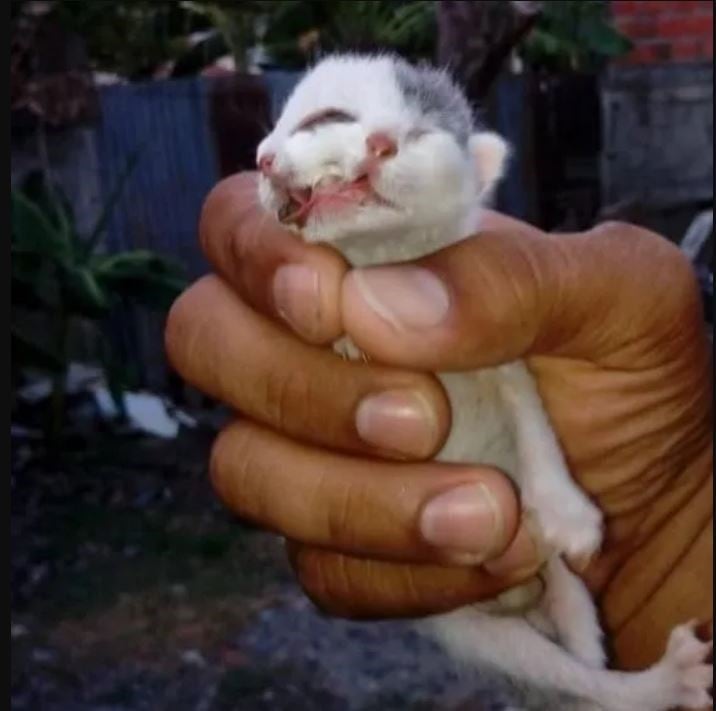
point(383, 162)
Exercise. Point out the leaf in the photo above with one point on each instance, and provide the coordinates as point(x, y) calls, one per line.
point(34, 283)
point(572, 34)
point(101, 224)
point(51, 201)
point(27, 352)
point(605, 40)
point(134, 264)
point(142, 277)
point(33, 232)
point(85, 295)
point(157, 292)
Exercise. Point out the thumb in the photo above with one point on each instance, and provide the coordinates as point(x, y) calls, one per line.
point(513, 291)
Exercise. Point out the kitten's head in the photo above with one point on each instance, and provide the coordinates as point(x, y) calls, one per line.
point(373, 144)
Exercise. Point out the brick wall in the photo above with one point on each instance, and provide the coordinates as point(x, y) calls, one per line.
point(666, 32)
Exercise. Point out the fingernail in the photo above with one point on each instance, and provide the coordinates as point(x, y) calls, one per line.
point(296, 294)
point(397, 420)
point(466, 522)
point(405, 297)
point(523, 557)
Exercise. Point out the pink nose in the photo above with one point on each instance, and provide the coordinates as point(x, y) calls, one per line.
point(381, 145)
point(265, 163)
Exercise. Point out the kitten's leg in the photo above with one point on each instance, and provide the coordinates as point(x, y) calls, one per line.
point(569, 606)
point(680, 679)
point(568, 520)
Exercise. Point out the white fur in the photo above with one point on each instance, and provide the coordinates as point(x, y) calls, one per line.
point(434, 186)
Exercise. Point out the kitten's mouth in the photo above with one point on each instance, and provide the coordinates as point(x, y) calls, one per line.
point(329, 194)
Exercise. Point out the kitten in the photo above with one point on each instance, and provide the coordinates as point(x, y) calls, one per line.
point(384, 161)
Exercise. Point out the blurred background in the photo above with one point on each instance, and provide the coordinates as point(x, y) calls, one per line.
point(131, 587)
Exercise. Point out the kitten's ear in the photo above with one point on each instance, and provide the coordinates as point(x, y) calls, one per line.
point(490, 153)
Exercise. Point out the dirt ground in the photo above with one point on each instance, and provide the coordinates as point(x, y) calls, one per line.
point(134, 589)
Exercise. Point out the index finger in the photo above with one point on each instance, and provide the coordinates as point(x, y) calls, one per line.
point(270, 267)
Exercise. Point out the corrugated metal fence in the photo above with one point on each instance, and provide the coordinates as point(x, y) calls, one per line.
point(165, 127)
point(168, 126)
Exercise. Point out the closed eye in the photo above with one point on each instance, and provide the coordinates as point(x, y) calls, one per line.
point(417, 133)
point(323, 117)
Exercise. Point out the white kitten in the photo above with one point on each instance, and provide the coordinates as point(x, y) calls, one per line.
point(383, 161)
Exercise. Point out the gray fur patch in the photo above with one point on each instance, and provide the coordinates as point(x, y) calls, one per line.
point(436, 96)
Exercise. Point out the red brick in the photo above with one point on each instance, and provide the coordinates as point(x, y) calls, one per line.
point(637, 28)
point(648, 53)
point(694, 26)
point(660, 7)
point(689, 51)
point(624, 7)
point(689, 7)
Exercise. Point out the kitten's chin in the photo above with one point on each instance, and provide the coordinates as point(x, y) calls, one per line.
point(349, 223)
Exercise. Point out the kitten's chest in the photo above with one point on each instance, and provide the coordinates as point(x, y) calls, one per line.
point(381, 248)
point(480, 431)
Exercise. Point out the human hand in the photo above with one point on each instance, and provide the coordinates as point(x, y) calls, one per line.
point(610, 324)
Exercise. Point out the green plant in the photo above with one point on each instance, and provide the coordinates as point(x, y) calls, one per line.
point(235, 23)
point(61, 277)
point(130, 38)
point(301, 29)
point(573, 35)
point(294, 32)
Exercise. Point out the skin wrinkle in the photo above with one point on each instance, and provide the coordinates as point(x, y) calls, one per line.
point(315, 501)
point(596, 313)
point(534, 300)
point(574, 316)
point(493, 272)
point(671, 604)
point(345, 578)
point(681, 490)
point(231, 467)
point(412, 588)
point(192, 351)
point(314, 579)
point(340, 516)
point(618, 620)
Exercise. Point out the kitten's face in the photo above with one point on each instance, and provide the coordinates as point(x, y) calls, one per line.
point(368, 145)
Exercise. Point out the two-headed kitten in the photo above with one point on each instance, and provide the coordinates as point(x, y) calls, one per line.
point(384, 161)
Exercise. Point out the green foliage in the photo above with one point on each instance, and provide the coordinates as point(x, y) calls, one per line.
point(573, 35)
point(133, 38)
point(300, 29)
point(235, 23)
point(61, 277)
point(129, 38)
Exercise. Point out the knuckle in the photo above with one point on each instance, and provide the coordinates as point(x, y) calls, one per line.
point(218, 206)
point(309, 568)
point(179, 326)
point(294, 402)
point(326, 581)
point(232, 468)
point(279, 396)
point(343, 512)
point(185, 329)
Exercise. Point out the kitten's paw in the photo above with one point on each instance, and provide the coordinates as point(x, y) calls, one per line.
point(570, 525)
point(688, 674)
